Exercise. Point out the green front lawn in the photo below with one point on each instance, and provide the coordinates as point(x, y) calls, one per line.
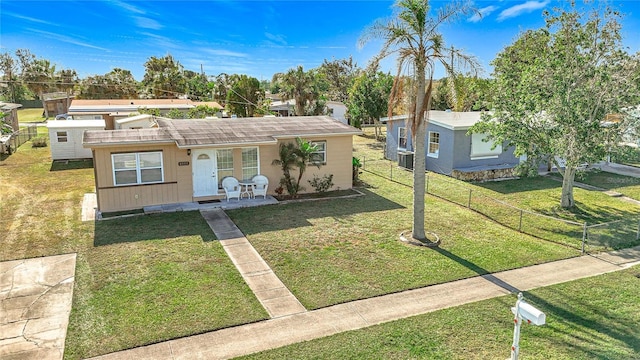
point(30, 115)
point(332, 251)
point(145, 279)
point(591, 319)
point(626, 185)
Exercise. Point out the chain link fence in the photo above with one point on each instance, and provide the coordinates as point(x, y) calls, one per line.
point(586, 238)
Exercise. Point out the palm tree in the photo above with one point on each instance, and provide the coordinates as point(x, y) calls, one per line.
point(299, 85)
point(413, 36)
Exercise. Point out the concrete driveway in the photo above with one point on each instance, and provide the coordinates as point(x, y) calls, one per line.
point(35, 302)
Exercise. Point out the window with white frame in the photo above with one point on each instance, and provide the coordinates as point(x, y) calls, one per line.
point(402, 138)
point(137, 168)
point(224, 163)
point(62, 136)
point(434, 144)
point(250, 163)
point(320, 155)
point(481, 149)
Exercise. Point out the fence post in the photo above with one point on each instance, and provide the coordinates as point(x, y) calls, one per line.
point(520, 224)
point(638, 233)
point(469, 202)
point(364, 162)
point(391, 171)
point(584, 237)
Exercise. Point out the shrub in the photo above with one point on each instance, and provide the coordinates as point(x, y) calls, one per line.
point(322, 184)
point(39, 141)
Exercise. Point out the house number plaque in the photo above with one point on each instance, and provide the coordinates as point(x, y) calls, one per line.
point(183, 163)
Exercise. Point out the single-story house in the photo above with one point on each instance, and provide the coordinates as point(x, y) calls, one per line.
point(112, 109)
point(185, 160)
point(335, 109)
point(65, 138)
point(448, 148)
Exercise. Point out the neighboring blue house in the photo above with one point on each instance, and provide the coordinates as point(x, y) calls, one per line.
point(448, 148)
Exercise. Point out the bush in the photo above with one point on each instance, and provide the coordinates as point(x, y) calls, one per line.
point(39, 141)
point(322, 184)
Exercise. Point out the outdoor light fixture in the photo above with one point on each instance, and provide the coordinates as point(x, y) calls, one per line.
point(189, 152)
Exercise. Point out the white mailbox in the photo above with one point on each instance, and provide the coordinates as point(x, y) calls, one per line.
point(523, 311)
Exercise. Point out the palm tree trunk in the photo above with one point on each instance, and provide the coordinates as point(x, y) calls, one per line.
point(419, 133)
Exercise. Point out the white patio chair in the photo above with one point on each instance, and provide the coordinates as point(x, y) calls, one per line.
point(260, 185)
point(231, 187)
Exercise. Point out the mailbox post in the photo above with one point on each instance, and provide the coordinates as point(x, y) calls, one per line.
point(523, 312)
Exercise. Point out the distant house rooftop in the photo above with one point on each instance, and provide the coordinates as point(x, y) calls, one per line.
point(448, 119)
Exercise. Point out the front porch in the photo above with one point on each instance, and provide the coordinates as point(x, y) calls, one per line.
point(210, 205)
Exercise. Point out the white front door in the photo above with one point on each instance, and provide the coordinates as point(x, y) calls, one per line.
point(204, 173)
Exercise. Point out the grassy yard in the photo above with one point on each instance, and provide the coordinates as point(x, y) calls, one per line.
point(591, 319)
point(625, 185)
point(138, 280)
point(150, 278)
point(30, 115)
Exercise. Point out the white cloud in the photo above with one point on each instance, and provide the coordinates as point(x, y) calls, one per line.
point(484, 12)
point(218, 52)
point(18, 16)
point(277, 39)
point(128, 7)
point(67, 39)
point(147, 23)
point(524, 8)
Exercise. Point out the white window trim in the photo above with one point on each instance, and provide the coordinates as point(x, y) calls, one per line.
point(429, 153)
point(65, 136)
point(490, 154)
point(258, 160)
point(405, 138)
point(323, 152)
point(138, 172)
point(220, 178)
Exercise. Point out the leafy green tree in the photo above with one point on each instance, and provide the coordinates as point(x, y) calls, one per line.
point(244, 95)
point(38, 76)
point(197, 85)
point(66, 80)
point(5, 127)
point(164, 77)
point(116, 84)
point(339, 76)
point(466, 94)
point(220, 87)
point(414, 37)
point(368, 98)
point(555, 87)
point(9, 69)
point(301, 86)
point(175, 114)
point(150, 111)
point(201, 112)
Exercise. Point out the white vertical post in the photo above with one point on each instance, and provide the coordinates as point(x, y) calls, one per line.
point(517, 320)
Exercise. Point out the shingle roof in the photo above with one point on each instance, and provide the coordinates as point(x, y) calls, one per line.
point(96, 138)
point(216, 132)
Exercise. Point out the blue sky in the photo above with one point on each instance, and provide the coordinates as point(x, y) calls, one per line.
point(253, 37)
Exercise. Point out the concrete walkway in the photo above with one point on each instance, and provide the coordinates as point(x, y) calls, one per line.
point(286, 330)
point(270, 291)
point(35, 302)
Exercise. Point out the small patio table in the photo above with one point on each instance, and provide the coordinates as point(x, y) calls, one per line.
point(245, 188)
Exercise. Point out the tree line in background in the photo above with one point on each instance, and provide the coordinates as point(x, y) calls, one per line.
point(365, 92)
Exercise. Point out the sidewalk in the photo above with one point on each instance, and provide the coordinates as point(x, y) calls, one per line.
point(281, 331)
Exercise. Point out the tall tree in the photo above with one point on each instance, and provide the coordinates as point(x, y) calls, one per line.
point(220, 87)
point(9, 69)
point(197, 85)
point(339, 75)
point(299, 85)
point(414, 37)
point(244, 95)
point(555, 87)
point(164, 77)
point(66, 80)
point(39, 76)
point(116, 84)
point(368, 97)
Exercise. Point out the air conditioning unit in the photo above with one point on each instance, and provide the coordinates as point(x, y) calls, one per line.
point(405, 159)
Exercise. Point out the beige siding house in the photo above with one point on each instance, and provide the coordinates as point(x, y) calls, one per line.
point(186, 160)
